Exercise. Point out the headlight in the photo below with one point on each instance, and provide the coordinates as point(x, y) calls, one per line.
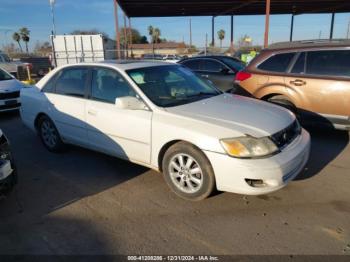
point(249, 147)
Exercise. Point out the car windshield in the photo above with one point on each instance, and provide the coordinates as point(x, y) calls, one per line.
point(168, 86)
point(233, 63)
point(4, 75)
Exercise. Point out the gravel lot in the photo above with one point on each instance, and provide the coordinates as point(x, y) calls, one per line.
point(82, 202)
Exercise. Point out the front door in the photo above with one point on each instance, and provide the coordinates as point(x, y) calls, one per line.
point(121, 132)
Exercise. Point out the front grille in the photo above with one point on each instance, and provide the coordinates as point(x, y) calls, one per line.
point(286, 136)
point(9, 95)
point(7, 107)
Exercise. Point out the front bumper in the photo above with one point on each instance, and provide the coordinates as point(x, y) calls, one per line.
point(275, 171)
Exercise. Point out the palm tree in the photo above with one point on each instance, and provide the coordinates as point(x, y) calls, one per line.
point(24, 32)
point(221, 36)
point(16, 37)
point(156, 34)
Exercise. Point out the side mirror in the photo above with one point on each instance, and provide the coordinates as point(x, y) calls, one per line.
point(130, 102)
point(226, 71)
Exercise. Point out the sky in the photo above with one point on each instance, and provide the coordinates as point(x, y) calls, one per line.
point(99, 14)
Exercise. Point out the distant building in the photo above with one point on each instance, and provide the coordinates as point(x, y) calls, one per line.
point(166, 48)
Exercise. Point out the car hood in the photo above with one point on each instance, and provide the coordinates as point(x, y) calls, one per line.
point(12, 85)
point(241, 114)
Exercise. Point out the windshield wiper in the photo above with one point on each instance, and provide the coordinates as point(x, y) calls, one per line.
point(203, 94)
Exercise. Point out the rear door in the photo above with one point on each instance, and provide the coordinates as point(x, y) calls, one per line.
point(322, 78)
point(66, 103)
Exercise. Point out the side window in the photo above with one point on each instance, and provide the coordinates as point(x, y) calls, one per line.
point(299, 66)
point(277, 63)
point(107, 85)
point(192, 64)
point(72, 81)
point(211, 65)
point(331, 63)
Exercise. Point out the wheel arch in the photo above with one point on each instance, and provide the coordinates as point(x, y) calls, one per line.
point(37, 118)
point(167, 145)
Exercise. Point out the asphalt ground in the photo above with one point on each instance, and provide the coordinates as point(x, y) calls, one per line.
point(83, 202)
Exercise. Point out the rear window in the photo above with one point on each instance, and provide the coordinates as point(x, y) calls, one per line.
point(277, 63)
point(4, 76)
point(331, 63)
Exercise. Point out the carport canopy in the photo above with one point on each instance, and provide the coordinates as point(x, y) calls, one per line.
point(161, 8)
point(171, 8)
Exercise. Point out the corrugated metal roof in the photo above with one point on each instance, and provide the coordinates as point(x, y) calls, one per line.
point(159, 8)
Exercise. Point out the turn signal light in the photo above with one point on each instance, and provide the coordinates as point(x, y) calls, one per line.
point(242, 75)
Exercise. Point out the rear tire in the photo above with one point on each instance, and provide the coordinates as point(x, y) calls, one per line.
point(49, 135)
point(188, 172)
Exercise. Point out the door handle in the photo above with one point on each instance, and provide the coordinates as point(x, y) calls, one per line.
point(298, 82)
point(92, 112)
point(206, 76)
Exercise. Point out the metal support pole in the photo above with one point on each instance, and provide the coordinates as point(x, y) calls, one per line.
point(332, 26)
point(117, 36)
point(291, 28)
point(267, 23)
point(231, 33)
point(212, 32)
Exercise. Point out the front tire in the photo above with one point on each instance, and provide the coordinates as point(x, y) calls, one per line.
point(49, 135)
point(187, 172)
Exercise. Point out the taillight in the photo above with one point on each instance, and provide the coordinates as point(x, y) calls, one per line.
point(242, 75)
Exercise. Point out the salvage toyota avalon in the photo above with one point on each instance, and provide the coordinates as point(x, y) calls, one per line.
point(162, 116)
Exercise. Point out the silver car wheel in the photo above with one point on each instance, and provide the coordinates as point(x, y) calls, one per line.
point(185, 173)
point(49, 134)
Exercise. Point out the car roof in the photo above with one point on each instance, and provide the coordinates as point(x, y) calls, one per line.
point(305, 44)
point(124, 64)
point(218, 57)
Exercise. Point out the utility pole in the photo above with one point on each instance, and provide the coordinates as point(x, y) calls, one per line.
point(190, 33)
point(319, 34)
point(52, 6)
point(347, 34)
point(206, 43)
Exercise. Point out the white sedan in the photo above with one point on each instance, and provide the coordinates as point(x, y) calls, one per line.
point(9, 92)
point(162, 116)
